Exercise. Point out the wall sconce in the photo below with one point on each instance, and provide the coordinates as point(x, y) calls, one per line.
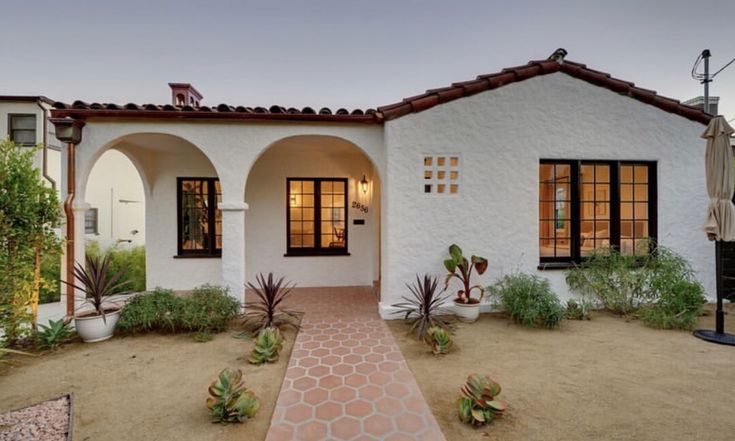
point(364, 184)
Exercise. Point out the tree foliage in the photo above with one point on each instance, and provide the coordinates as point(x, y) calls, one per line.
point(29, 211)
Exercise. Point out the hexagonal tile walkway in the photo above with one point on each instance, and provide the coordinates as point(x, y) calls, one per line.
point(347, 379)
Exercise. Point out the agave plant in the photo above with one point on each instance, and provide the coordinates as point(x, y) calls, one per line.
point(440, 340)
point(477, 405)
point(267, 311)
point(53, 335)
point(460, 268)
point(268, 344)
point(97, 283)
point(424, 308)
point(230, 401)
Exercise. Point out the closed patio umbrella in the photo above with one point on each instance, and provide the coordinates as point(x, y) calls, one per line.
point(719, 223)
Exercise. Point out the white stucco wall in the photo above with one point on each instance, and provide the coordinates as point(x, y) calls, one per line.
point(164, 150)
point(501, 135)
point(115, 189)
point(265, 195)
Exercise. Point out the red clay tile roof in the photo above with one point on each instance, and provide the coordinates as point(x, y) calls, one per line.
point(510, 75)
point(415, 104)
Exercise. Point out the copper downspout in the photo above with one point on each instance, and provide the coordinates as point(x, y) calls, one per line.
point(69, 211)
point(44, 168)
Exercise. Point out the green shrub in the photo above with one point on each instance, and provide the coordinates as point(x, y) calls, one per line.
point(618, 281)
point(131, 260)
point(51, 278)
point(661, 287)
point(151, 311)
point(51, 336)
point(529, 300)
point(208, 309)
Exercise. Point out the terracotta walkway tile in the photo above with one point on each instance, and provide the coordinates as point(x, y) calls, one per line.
point(347, 379)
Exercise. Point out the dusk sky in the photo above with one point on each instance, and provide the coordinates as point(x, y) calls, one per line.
point(347, 53)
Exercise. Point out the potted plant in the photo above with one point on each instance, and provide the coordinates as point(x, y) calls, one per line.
point(467, 308)
point(98, 322)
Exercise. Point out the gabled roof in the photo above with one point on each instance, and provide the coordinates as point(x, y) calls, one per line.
point(482, 83)
point(415, 104)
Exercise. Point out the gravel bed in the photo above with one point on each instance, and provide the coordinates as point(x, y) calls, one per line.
point(48, 421)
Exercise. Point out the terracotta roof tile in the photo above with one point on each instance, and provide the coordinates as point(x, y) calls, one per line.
point(510, 75)
point(414, 104)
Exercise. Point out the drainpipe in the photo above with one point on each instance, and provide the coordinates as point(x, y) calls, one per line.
point(44, 169)
point(69, 131)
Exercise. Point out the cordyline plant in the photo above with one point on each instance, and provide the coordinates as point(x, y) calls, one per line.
point(97, 283)
point(230, 401)
point(267, 311)
point(461, 268)
point(477, 405)
point(424, 307)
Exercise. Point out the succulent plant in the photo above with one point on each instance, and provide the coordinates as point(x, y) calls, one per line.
point(576, 310)
point(440, 340)
point(424, 308)
point(460, 268)
point(230, 401)
point(53, 335)
point(268, 344)
point(478, 405)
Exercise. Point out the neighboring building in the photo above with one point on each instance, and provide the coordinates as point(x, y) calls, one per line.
point(356, 198)
point(698, 102)
point(115, 190)
point(24, 119)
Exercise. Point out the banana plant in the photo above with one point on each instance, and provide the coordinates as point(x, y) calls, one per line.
point(461, 268)
point(268, 344)
point(478, 404)
point(230, 401)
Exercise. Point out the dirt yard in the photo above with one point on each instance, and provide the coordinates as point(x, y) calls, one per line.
point(149, 387)
point(605, 379)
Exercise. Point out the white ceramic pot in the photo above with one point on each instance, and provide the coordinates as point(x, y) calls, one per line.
point(93, 329)
point(467, 312)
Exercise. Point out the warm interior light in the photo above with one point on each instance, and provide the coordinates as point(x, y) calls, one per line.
point(293, 200)
point(364, 184)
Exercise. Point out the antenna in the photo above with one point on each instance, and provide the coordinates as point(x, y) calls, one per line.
point(704, 77)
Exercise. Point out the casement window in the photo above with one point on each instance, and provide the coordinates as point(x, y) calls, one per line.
point(199, 218)
point(22, 129)
point(587, 205)
point(91, 221)
point(316, 216)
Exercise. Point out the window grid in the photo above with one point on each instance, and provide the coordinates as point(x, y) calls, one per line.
point(199, 219)
point(22, 128)
point(316, 216)
point(613, 203)
point(441, 174)
point(91, 221)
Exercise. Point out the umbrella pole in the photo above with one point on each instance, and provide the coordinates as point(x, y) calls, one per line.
point(718, 335)
point(719, 312)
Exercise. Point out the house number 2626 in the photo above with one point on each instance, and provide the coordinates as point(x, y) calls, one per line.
point(359, 206)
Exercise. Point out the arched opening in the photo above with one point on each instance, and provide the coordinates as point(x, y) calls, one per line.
point(314, 213)
point(162, 191)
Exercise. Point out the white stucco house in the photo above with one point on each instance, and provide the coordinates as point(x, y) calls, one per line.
point(532, 167)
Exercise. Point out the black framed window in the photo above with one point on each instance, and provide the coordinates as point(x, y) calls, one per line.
point(588, 205)
point(199, 218)
point(316, 215)
point(22, 128)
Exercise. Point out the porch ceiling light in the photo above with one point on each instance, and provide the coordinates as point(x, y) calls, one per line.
point(364, 184)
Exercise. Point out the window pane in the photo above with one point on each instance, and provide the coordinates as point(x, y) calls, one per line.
point(641, 210)
point(602, 173)
point(554, 210)
point(24, 136)
point(626, 192)
point(301, 211)
point(587, 173)
point(640, 192)
point(626, 210)
point(194, 215)
point(626, 174)
point(634, 223)
point(641, 174)
point(307, 187)
point(23, 122)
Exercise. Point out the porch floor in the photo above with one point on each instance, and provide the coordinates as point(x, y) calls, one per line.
point(347, 379)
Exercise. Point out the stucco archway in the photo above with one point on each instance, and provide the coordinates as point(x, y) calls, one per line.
point(270, 222)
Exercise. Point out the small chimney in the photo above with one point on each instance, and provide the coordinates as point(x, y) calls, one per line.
point(184, 94)
point(698, 102)
point(558, 55)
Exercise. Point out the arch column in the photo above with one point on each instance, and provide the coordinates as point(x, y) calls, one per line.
point(233, 248)
point(79, 208)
